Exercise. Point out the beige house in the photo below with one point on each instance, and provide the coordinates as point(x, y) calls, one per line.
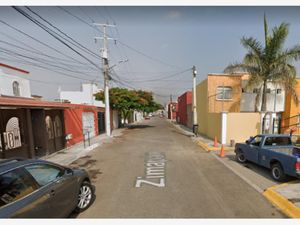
point(226, 110)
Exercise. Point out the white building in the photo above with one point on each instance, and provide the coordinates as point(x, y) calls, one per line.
point(12, 82)
point(137, 116)
point(275, 97)
point(85, 96)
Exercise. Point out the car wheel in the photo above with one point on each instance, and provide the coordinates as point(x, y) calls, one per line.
point(277, 172)
point(240, 157)
point(85, 196)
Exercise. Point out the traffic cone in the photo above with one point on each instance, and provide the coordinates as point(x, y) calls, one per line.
point(222, 152)
point(216, 142)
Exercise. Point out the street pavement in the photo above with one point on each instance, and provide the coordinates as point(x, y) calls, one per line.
point(155, 171)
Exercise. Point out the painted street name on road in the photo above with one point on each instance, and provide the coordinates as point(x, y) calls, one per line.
point(155, 164)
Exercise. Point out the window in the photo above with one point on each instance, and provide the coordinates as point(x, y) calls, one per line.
point(44, 173)
point(278, 91)
point(15, 185)
point(278, 141)
point(255, 90)
point(224, 93)
point(268, 91)
point(16, 88)
point(256, 141)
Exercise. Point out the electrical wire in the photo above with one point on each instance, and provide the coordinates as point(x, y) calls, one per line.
point(40, 42)
point(7, 51)
point(121, 42)
point(49, 32)
point(83, 48)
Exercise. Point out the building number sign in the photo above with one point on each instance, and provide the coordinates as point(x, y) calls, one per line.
point(12, 136)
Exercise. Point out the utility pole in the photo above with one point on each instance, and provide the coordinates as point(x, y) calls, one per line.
point(171, 108)
point(106, 76)
point(195, 121)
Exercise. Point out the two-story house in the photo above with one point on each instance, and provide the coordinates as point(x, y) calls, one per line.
point(226, 97)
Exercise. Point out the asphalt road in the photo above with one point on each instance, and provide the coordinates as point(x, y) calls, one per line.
point(156, 171)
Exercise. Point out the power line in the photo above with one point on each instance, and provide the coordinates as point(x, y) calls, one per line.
point(49, 32)
point(30, 48)
point(59, 30)
point(161, 78)
point(40, 42)
point(119, 41)
point(91, 19)
point(46, 68)
point(38, 60)
point(42, 59)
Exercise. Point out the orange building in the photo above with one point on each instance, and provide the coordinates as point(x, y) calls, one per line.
point(291, 114)
point(224, 92)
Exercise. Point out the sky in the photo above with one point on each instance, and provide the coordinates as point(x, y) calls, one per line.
point(152, 48)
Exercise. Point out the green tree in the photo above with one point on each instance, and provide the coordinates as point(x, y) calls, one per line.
point(269, 62)
point(126, 101)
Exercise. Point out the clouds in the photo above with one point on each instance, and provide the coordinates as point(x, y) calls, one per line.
point(173, 15)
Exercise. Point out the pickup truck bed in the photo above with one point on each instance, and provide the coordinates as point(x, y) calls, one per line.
point(288, 151)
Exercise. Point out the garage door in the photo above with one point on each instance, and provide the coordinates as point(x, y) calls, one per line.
point(88, 124)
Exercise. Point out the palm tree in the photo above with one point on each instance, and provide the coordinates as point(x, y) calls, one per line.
point(269, 63)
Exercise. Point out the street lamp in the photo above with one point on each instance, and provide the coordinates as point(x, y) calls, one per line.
point(195, 123)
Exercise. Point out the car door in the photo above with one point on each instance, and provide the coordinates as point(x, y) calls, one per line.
point(253, 148)
point(20, 196)
point(61, 186)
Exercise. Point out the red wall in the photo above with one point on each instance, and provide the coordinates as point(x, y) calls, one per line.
point(73, 122)
point(182, 114)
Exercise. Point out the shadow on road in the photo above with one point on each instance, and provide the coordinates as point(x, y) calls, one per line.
point(141, 126)
point(265, 172)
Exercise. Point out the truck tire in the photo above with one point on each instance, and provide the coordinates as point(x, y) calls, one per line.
point(240, 157)
point(277, 172)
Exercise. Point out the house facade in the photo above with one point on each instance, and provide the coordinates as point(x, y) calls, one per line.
point(31, 127)
point(13, 81)
point(224, 103)
point(172, 110)
point(291, 114)
point(85, 96)
point(184, 114)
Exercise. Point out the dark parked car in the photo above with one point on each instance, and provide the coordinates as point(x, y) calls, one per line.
point(41, 189)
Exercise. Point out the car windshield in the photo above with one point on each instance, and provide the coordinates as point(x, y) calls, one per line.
point(256, 141)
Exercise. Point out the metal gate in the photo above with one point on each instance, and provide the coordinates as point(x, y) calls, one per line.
point(88, 124)
point(13, 137)
point(55, 131)
point(271, 125)
point(101, 122)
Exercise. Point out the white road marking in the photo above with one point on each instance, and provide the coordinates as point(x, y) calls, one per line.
point(154, 169)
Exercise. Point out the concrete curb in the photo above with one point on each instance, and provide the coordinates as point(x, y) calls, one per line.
point(286, 206)
point(208, 148)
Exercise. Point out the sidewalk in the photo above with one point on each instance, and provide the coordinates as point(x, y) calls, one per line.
point(204, 142)
point(285, 196)
point(68, 155)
